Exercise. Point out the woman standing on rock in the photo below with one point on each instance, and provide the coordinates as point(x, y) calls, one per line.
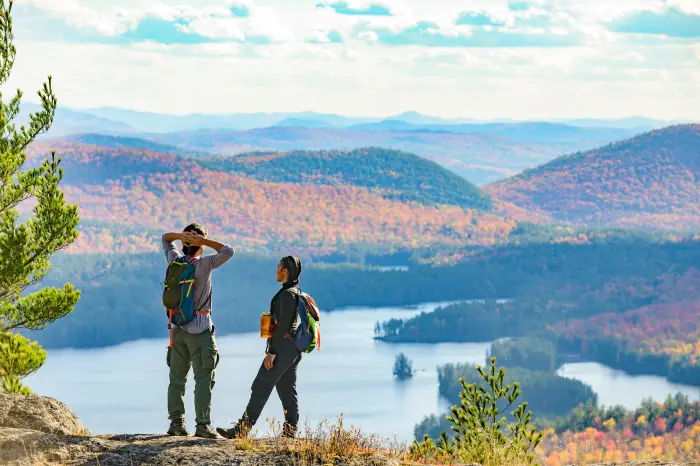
point(279, 368)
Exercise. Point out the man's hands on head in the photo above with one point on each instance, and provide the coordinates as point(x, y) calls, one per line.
point(192, 238)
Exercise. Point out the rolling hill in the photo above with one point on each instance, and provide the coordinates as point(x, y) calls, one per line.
point(480, 158)
point(393, 174)
point(360, 207)
point(650, 181)
point(128, 197)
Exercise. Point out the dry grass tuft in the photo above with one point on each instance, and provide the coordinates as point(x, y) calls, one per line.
point(326, 443)
point(81, 432)
point(243, 444)
point(336, 443)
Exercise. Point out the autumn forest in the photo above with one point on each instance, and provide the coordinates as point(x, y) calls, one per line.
point(596, 253)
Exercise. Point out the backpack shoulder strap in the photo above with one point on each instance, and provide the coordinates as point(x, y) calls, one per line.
point(311, 306)
point(180, 260)
point(297, 294)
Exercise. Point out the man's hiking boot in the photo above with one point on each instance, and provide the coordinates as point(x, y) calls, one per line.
point(206, 431)
point(289, 430)
point(178, 429)
point(240, 430)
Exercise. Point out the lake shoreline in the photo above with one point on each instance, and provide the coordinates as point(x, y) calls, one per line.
point(350, 369)
point(614, 363)
point(416, 306)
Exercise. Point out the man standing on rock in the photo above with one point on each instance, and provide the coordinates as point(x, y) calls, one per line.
point(193, 344)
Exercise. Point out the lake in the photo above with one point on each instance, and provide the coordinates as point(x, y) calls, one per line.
point(122, 389)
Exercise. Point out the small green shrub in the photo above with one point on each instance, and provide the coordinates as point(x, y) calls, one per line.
point(19, 357)
point(482, 433)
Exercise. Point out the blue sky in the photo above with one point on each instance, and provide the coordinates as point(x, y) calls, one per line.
point(530, 59)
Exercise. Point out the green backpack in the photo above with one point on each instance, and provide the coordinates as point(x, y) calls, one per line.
point(178, 291)
point(307, 336)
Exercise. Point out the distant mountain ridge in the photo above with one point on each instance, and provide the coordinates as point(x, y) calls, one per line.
point(68, 121)
point(131, 142)
point(649, 181)
point(120, 119)
point(477, 158)
point(128, 188)
point(166, 123)
point(542, 132)
point(480, 153)
point(635, 123)
point(148, 122)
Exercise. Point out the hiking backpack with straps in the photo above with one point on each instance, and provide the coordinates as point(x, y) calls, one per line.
point(178, 291)
point(307, 336)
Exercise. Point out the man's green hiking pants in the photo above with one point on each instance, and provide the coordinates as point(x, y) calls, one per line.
point(201, 353)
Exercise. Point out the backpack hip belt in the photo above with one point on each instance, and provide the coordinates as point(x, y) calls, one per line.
point(170, 322)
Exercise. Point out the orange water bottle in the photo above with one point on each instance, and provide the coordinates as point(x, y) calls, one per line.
point(266, 325)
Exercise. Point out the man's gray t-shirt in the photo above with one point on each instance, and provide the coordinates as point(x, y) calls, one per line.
point(202, 283)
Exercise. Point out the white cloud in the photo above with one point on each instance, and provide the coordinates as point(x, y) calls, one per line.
point(315, 53)
point(109, 23)
point(320, 36)
point(350, 54)
point(608, 75)
point(369, 36)
point(484, 84)
point(215, 28)
point(631, 57)
point(696, 48)
point(266, 21)
point(688, 6)
point(114, 18)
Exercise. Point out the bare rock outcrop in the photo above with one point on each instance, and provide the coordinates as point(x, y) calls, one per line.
point(41, 430)
point(22, 447)
point(39, 413)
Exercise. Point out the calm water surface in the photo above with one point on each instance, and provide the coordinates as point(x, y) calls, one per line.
point(122, 389)
point(618, 388)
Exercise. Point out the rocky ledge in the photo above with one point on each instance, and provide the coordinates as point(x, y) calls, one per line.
point(39, 430)
point(27, 447)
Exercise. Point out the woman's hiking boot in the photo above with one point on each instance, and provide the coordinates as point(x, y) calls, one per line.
point(206, 431)
point(240, 430)
point(178, 429)
point(289, 430)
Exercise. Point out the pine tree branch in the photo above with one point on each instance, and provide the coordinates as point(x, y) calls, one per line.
point(5, 292)
point(10, 111)
point(14, 326)
point(7, 48)
point(12, 203)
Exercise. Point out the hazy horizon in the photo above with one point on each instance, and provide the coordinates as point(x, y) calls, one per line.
point(377, 116)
